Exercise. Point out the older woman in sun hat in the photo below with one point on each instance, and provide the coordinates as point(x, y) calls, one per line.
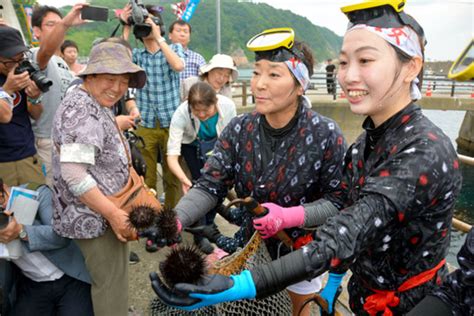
point(90, 162)
point(218, 73)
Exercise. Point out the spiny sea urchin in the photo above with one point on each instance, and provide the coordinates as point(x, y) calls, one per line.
point(142, 217)
point(167, 223)
point(184, 264)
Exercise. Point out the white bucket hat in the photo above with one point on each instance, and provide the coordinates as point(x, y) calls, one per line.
point(220, 61)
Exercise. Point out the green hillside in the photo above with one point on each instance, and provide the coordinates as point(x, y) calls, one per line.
point(239, 22)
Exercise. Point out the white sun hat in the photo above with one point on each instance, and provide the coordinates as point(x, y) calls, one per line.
point(220, 61)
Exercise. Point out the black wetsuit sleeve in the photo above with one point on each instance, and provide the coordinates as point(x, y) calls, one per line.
point(194, 205)
point(343, 236)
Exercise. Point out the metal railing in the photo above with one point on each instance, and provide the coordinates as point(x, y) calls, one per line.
point(432, 85)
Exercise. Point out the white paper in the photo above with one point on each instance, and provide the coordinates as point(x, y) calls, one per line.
point(23, 204)
point(24, 209)
point(18, 191)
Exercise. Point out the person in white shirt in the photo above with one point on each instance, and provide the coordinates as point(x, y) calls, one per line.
point(194, 129)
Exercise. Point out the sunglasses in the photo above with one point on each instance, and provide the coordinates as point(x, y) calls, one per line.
point(12, 63)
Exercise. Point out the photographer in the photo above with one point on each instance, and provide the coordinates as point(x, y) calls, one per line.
point(50, 277)
point(158, 100)
point(50, 28)
point(19, 97)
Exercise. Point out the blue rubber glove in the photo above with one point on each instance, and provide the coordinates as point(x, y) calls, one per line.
point(212, 289)
point(330, 292)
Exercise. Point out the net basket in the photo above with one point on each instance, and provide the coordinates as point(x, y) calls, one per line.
point(254, 253)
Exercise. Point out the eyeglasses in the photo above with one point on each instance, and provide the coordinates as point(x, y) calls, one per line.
point(383, 16)
point(12, 63)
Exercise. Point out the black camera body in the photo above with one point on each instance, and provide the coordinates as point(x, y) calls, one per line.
point(138, 17)
point(36, 74)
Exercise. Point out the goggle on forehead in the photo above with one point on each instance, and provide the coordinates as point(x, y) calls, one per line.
point(274, 45)
point(384, 16)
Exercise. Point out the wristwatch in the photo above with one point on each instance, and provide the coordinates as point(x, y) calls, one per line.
point(35, 101)
point(8, 98)
point(23, 235)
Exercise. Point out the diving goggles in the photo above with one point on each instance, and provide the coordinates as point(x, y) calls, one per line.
point(275, 45)
point(386, 14)
point(463, 68)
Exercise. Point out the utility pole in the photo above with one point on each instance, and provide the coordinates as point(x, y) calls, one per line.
point(218, 26)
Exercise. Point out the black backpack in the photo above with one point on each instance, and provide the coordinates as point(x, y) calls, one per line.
point(138, 162)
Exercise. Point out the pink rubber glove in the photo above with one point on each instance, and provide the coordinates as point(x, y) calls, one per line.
point(278, 218)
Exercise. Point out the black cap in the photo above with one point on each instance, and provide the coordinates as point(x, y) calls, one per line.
point(12, 42)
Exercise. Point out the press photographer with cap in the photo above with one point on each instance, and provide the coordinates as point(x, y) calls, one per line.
point(90, 162)
point(18, 160)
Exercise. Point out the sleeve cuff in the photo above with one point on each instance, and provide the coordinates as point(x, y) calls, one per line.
point(78, 153)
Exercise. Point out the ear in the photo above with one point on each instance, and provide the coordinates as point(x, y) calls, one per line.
point(414, 67)
point(300, 90)
point(36, 32)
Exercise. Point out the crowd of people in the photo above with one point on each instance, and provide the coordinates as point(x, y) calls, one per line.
point(381, 207)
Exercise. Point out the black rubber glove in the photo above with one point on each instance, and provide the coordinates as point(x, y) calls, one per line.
point(156, 240)
point(210, 232)
point(211, 289)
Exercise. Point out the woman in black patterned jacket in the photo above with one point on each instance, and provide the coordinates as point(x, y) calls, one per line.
point(283, 152)
point(400, 183)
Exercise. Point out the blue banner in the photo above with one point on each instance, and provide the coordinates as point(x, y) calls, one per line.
point(190, 8)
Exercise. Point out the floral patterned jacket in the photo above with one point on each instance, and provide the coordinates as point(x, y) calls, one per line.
point(306, 166)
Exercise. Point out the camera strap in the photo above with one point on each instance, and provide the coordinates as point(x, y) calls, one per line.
point(115, 30)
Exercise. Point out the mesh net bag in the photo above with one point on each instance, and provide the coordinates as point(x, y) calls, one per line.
point(253, 254)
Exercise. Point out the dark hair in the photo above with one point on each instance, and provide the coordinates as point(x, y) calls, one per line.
point(202, 93)
point(153, 11)
point(404, 58)
point(180, 22)
point(308, 58)
point(40, 11)
point(68, 43)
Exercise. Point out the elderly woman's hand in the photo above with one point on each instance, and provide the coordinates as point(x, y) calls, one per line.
point(119, 223)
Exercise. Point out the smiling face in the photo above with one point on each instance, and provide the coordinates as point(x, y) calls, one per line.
point(218, 77)
point(107, 89)
point(276, 92)
point(375, 81)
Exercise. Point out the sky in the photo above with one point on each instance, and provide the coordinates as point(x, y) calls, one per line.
point(448, 24)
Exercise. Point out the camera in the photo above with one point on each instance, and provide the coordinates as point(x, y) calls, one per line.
point(36, 74)
point(138, 17)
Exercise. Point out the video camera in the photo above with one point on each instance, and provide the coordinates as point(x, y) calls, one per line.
point(36, 74)
point(138, 17)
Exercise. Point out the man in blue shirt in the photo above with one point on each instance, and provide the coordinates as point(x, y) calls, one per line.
point(158, 100)
point(180, 32)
